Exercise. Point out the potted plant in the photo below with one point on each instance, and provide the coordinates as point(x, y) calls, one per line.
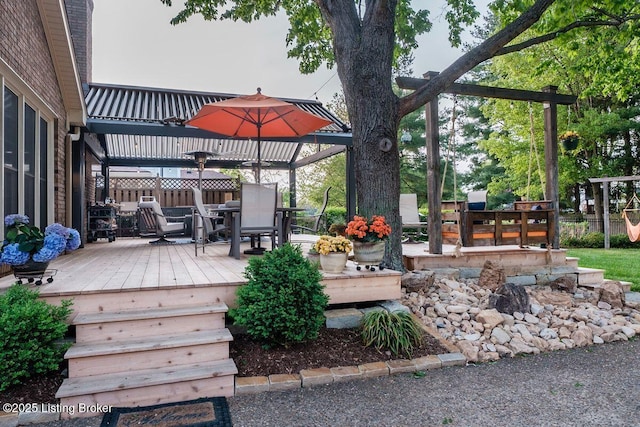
point(27, 249)
point(313, 255)
point(333, 251)
point(569, 140)
point(368, 238)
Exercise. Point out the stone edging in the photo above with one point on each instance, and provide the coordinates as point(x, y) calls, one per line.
point(13, 419)
point(311, 377)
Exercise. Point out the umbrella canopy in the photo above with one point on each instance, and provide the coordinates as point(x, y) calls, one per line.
point(256, 116)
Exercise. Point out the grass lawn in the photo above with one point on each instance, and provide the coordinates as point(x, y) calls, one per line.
point(619, 264)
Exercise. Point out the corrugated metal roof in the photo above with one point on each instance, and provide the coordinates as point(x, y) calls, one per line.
point(125, 106)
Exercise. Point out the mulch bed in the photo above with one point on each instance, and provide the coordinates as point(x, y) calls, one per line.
point(334, 347)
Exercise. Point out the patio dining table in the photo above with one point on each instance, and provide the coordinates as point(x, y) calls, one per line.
point(284, 215)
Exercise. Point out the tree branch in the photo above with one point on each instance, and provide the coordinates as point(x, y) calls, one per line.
point(475, 56)
point(550, 36)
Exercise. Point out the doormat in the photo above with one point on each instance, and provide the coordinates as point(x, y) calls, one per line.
point(206, 412)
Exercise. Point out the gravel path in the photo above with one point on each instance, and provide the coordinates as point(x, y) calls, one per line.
point(594, 386)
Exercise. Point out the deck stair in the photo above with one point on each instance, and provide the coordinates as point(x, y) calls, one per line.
point(139, 357)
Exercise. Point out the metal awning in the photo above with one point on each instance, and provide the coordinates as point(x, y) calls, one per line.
point(139, 126)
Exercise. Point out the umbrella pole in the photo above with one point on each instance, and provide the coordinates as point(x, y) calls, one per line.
point(259, 154)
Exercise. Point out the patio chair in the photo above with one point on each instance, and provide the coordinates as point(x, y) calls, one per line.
point(151, 214)
point(207, 226)
point(411, 217)
point(257, 217)
point(477, 200)
point(315, 222)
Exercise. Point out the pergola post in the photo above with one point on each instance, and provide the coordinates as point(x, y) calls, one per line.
point(433, 177)
point(292, 187)
point(605, 203)
point(551, 161)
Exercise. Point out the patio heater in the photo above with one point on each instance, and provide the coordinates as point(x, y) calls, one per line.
point(200, 158)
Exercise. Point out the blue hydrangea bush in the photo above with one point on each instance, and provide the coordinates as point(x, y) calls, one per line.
point(24, 242)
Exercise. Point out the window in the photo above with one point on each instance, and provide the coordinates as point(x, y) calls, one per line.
point(25, 145)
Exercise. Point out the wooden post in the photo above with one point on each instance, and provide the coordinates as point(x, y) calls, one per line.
point(605, 212)
point(551, 160)
point(434, 198)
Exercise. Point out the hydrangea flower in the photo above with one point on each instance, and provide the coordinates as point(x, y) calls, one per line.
point(45, 254)
point(58, 229)
point(73, 242)
point(12, 255)
point(55, 242)
point(15, 219)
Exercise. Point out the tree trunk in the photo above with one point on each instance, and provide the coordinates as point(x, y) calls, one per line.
point(364, 56)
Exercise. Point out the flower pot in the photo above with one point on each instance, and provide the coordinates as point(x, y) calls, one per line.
point(30, 267)
point(315, 258)
point(570, 144)
point(369, 253)
point(333, 262)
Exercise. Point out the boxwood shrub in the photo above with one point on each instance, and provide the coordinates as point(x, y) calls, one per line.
point(283, 301)
point(30, 334)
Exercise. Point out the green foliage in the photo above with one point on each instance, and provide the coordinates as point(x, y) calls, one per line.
point(335, 215)
point(396, 331)
point(595, 240)
point(29, 333)
point(618, 264)
point(283, 302)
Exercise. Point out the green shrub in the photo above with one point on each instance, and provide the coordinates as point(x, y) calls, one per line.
point(30, 330)
point(283, 302)
point(335, 215)
point(596, 240)
point(396, 331)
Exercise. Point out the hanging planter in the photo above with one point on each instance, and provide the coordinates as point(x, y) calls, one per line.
point(570, 140)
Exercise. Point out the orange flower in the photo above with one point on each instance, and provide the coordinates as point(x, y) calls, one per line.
point(361, 229)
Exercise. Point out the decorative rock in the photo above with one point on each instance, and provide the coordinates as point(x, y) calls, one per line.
point(457, 308)
point(489, 318)
point(530, 318)
point(416, 281)
point(510, 298)
point(469, 350)
point(476, 337)
point(604, 305)
point(517, 315)
point(522, 330)
point(393, 306)
point(557, 299)
point(500, 336)
point(548, 334)
point(374, 369)
point(536, 309)
point(441, 310)
point(565, 284)
point(612, 293)
point(597, 340)
point(492, 276)
point(580, 338)
point(519, 346)
point(343, 318)
point(504, 351)
point(629, 332)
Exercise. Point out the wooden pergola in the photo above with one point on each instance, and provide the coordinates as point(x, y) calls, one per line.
point(550, 100)
point(605, 201)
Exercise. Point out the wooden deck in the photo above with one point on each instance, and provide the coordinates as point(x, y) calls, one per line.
point(115, 274)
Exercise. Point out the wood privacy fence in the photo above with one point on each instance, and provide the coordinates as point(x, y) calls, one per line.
point(170, 192)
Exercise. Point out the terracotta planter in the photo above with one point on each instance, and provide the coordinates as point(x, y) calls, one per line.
point(30, 267)
point(333, 262)
point(368, 253)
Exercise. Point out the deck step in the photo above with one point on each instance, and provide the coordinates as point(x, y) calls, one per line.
point(149, 386)
point(128, 324)
point(571, 261)
point(590, 277)
point(97, 358)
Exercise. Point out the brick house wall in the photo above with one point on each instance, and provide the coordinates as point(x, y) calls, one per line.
point(23, 46)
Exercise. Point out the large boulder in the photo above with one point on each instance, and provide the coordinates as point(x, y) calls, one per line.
point(565, 284)
point(416, 281)
point(492, 276)
point(510, 298)
point(612, 294)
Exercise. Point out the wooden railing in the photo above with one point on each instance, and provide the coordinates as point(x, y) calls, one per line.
point(498, 227)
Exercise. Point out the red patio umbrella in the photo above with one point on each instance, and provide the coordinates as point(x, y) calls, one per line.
point(256, 116)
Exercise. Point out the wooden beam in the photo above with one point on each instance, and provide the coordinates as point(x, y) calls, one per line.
point(432, 133)
point(320, 155)
point(615, 179)
point(551, 160)
point(469, 89)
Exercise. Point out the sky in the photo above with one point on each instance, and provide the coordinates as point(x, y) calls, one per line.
point(134, 44)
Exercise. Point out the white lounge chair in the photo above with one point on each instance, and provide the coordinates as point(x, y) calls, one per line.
point(411, 217)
